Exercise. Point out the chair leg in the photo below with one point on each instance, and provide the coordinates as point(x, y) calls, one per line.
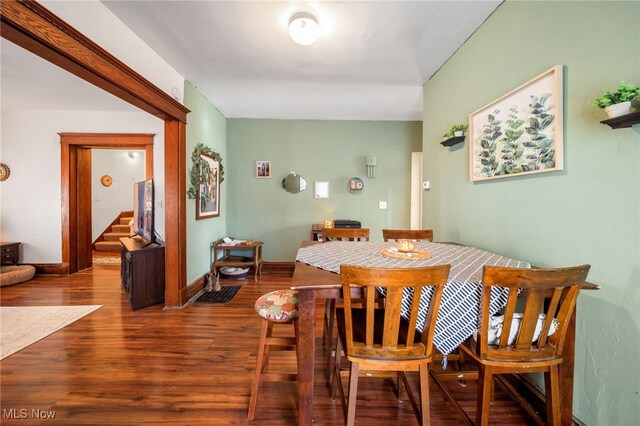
point(425, 418)
point(552, 391)
point(260, 359)
point(353, 393)
point(399, 388)
point(267, 348)
point(329, 325)
point(341, 391)
point(336, 369)
point(485, 378)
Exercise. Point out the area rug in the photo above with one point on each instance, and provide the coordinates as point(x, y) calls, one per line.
point(106, 260)
point(225, 295)
point(21, 326)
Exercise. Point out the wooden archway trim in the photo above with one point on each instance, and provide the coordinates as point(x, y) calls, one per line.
point(31, 26)
point(75, 171)
point(141, 141)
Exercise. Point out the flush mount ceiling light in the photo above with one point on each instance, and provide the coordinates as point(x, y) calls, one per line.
point(304, 28)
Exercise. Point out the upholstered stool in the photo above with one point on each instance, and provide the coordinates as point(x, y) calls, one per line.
point(15, 274)
point(277, 307)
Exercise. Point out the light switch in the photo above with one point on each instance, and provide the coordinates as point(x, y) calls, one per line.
point(426, 184)
point(382, 205)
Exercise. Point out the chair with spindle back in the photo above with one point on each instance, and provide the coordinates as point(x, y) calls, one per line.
point(528, 348)
point(376, 340)
point(336, 234)
point(407, 234)
point(345, 234)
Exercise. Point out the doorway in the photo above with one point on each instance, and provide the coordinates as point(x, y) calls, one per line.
point(75, 165)
point(416, 190)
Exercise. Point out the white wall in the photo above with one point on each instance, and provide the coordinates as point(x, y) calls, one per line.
point(30, 199)
point(108, 201)
point(95, 21)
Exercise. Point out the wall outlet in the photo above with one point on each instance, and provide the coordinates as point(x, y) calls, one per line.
point(382, 205)
point(426, 184)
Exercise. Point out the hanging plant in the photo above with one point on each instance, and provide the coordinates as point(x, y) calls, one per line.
point(198, 165)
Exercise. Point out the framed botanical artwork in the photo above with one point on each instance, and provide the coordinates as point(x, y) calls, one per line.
point(208, 193)
point(263, 169)
point(519, 133)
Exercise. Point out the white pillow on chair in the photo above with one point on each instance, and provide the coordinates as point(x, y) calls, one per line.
point(496, 323)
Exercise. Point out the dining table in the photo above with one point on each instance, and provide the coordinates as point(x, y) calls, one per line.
point(316, 276)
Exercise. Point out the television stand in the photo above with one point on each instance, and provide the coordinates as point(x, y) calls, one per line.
point(142, 272)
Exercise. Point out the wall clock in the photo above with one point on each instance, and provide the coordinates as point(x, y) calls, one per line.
point(355, 185)
point(4, 172)
point(106, 180)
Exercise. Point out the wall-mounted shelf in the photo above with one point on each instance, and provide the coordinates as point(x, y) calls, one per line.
point(623, 121)
point(452, 141)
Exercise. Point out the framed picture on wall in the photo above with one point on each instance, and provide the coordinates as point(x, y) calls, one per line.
point(208, 198)
point(263, 169)
point(519, 133)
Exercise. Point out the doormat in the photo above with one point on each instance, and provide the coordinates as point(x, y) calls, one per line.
point(225, 295)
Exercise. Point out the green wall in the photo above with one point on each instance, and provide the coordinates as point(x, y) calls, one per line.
point(332, 151)
point(588, 213)
point(206, 125)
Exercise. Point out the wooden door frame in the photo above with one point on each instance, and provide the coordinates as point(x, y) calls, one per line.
point(76, 193)
point(31, 26)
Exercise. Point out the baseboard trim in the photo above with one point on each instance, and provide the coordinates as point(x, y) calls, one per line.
point(278, 267)
point(50, 268)
point(195, 288)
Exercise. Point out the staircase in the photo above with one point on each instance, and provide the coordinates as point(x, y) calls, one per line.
point(119, 228)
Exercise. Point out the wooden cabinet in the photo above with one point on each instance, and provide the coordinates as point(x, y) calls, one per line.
point(223, 256)
point(10, 253)
point(142, 271)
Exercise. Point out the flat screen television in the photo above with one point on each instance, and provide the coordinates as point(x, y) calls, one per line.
point(143, 211)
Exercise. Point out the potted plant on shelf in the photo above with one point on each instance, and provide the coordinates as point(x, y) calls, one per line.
point(458, 129)
point(619, 102)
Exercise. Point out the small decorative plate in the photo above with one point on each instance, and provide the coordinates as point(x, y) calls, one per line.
point(106, 180)
point(355, 185)
point(4, 172)
point(414, 255)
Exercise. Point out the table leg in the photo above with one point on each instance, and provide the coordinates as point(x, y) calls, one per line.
point(306, 347)
point(566, 373)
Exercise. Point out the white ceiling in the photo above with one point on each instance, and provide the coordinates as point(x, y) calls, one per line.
point(369, 64)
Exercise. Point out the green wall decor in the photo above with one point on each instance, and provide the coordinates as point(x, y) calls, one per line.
point(198, 166)
point(521, 132)
point(587, 213)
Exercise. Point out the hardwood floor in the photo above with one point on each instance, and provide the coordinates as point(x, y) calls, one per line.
point(191, 366)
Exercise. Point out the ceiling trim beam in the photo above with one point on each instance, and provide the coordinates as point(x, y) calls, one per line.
point(28, 24)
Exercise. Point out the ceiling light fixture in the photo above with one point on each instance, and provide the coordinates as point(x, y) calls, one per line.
point(304, 28)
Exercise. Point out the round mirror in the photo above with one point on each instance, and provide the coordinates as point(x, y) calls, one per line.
point(294, 183)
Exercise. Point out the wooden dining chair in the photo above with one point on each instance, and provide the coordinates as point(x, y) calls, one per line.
point(407, 234)
point(345, 234)
point(336, 234)
point(376, 340)
point(526, 347)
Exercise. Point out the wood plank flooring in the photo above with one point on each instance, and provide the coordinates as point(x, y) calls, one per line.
point(191, 366)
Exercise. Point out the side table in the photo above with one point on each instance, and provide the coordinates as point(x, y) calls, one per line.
point(228, 259)
point(10, 253)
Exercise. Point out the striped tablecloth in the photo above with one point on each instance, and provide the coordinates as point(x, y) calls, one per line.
point(459, 307)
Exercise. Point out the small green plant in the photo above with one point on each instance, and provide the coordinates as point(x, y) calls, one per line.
point(625, 92)
point(455, 128)
point(458, 128)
